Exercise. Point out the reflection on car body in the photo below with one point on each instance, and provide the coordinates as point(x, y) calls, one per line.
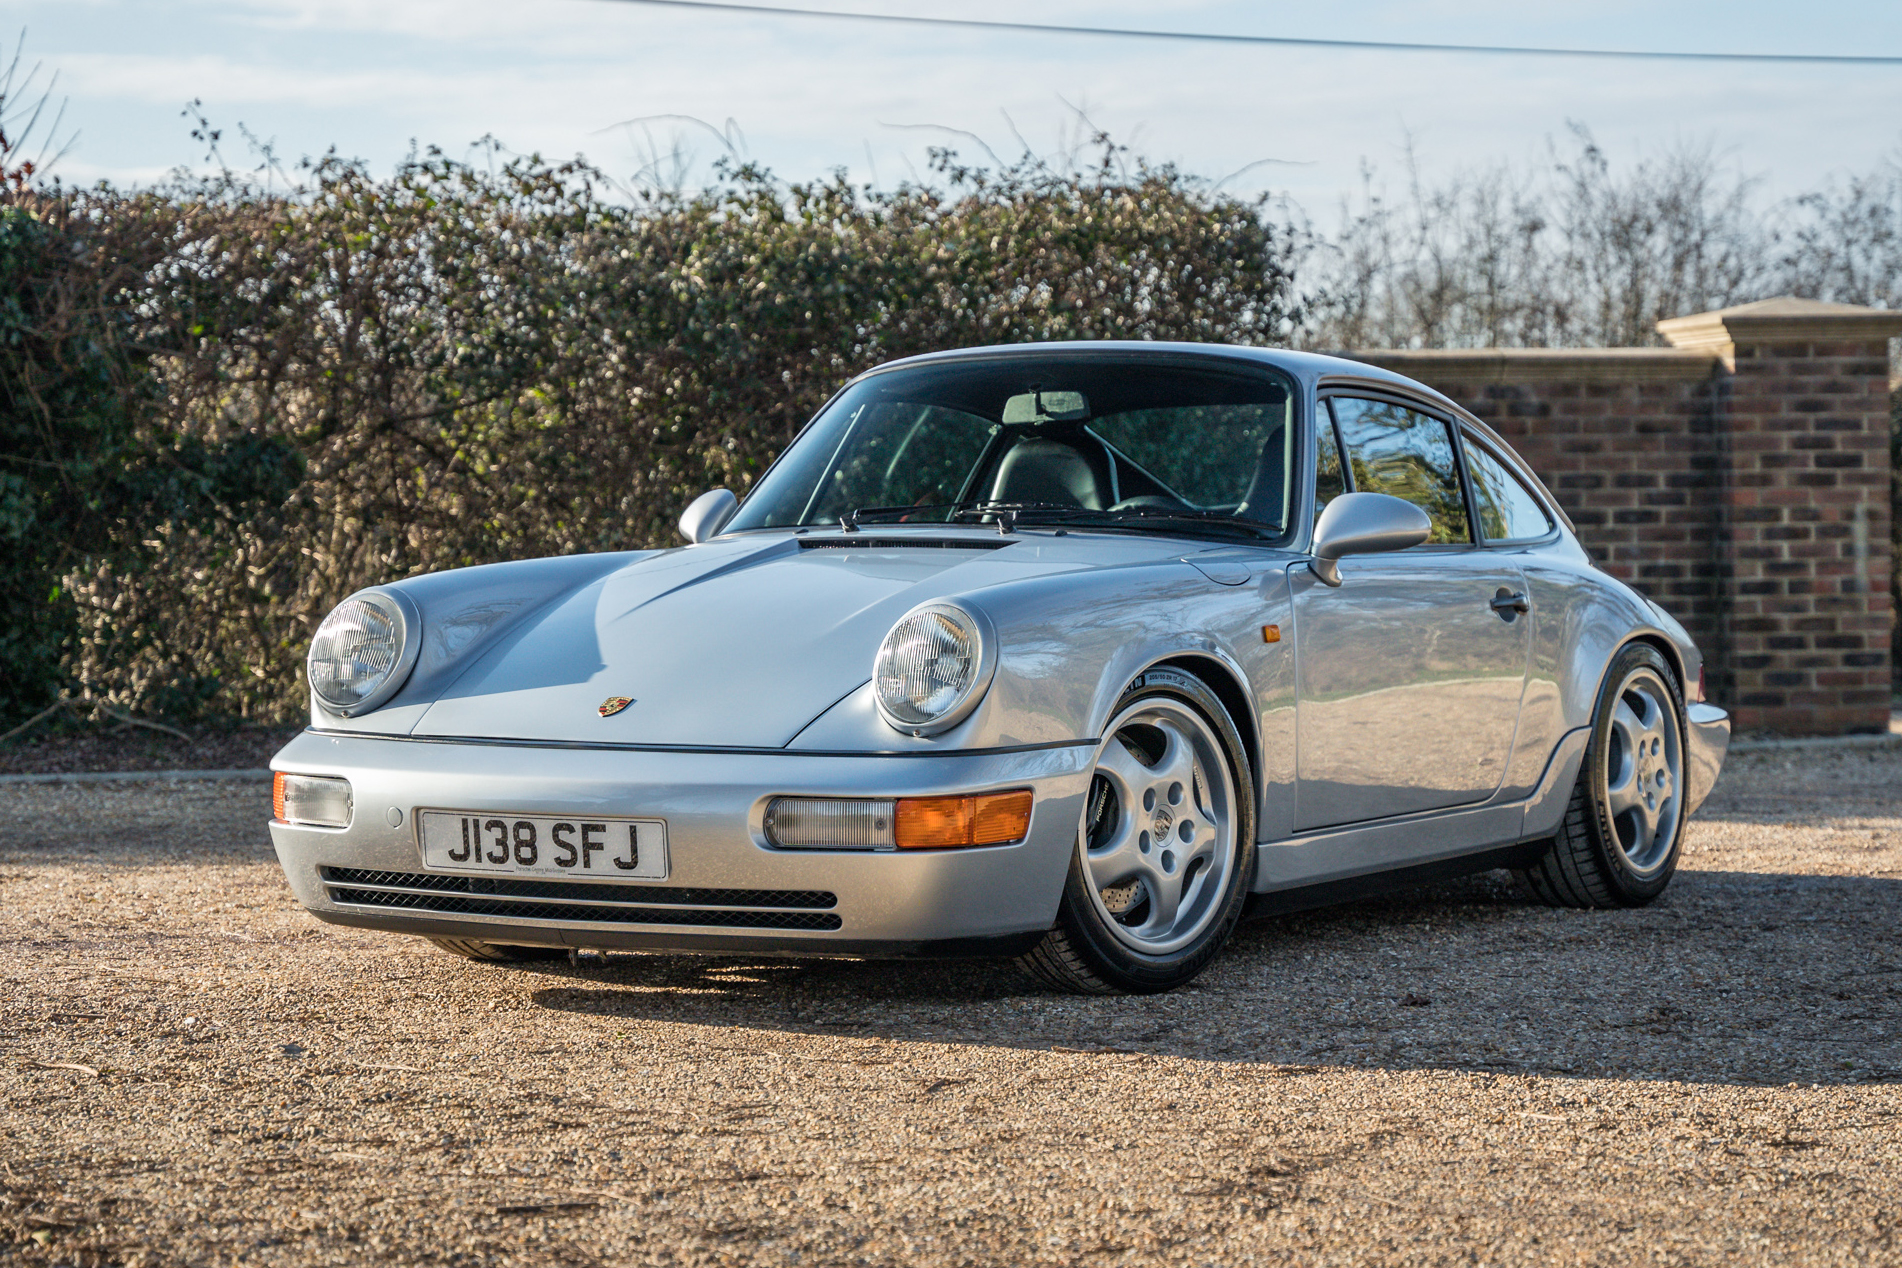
point(1069, 652)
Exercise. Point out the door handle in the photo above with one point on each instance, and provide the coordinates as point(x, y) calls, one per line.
point(1511, 603)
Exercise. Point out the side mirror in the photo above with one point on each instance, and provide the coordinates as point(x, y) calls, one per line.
point(707, 514)
point(1364, 524)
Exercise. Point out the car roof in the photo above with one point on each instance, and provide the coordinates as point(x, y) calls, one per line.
point(1312, 368)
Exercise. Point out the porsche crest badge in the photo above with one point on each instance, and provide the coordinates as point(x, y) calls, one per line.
point(613, 705)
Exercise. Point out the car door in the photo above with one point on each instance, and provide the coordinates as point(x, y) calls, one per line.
point(1411, 672)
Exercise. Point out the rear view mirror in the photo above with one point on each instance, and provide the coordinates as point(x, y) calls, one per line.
point(1039, 406)
point(707, 514)
point(1364, 524)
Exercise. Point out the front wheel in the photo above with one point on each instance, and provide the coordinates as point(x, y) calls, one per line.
point(1165, 850)
point(1624, 827)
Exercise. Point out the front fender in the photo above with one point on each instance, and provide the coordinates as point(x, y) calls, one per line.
point(1068, 647)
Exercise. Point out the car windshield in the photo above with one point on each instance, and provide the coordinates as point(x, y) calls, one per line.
point(1140, 443)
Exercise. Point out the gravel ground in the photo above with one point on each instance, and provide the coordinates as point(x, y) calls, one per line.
point(135, 748)
point(194, 1071)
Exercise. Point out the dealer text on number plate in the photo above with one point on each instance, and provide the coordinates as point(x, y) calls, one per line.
point(603, 849)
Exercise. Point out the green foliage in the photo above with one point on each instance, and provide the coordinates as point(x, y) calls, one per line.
point(36, 618)
point(370, 377)
point(86, 478)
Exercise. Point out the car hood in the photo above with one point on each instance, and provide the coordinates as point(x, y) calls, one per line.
point(727, 644)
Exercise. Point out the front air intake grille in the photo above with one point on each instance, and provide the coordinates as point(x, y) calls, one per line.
point(510, 887)
point(582, 903)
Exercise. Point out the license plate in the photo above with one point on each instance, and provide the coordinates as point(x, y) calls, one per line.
point(522, 845)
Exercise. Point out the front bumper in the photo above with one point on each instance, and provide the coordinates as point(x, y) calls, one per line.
point(1705, 748)
point(727, 890)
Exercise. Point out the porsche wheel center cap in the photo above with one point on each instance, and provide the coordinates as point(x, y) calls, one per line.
point(1160, 824)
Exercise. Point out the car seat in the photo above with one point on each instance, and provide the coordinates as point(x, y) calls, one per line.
point(1058, 472)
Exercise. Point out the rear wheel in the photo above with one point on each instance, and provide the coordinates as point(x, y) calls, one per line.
point(1165, 850)
point(1624, 829)
point(496, 952)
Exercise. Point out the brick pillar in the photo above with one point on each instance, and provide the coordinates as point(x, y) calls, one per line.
point(1804, 469)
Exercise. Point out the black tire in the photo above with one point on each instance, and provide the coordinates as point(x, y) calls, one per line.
point(1591, 862)
point(496, 952)
point(1082, 953)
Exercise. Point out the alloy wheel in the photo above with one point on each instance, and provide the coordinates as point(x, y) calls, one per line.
point(1158, 839)
point(1644, 772)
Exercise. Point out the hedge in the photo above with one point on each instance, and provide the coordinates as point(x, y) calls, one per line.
point(224, 408)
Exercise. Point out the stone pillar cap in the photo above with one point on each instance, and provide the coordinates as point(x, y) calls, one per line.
point(1783, 319)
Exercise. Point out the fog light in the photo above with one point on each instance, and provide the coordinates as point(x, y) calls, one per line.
point(310, 799)
point(940, 823)
point(834, 823)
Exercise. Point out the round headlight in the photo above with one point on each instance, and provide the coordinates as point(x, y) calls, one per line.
point(932, 668)
point(363, 651)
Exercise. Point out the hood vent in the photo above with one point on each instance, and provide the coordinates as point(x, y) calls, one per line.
point(862, 542)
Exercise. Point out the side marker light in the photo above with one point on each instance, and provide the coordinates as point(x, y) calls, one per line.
point(1271, 633)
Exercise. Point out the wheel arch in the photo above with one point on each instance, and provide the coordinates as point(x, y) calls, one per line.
point(1082, 952)
point(1673, 656)
point(1222, 680)
point(1585, 864)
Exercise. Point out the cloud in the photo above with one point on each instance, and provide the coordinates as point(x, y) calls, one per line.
point(369, 75)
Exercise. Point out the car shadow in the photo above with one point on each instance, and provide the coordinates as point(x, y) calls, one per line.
point(1732, 977)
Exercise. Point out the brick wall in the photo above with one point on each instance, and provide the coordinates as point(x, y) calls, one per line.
point(1741, 478)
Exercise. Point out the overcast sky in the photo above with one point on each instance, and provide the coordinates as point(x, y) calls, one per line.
point(806, 96)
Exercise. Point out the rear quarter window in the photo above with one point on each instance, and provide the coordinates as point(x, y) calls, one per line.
point(1507, 509)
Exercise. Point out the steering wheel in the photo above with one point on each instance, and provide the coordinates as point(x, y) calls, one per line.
point(1151, 501)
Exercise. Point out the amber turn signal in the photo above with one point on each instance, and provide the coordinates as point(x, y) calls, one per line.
point(946, 823)
point(277, 795)
point(1271, 633)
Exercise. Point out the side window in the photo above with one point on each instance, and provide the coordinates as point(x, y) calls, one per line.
point(1392, 449)
point(1328, 481)
point(1506, 509)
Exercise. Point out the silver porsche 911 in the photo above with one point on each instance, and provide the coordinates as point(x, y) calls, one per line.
point(1070, 652)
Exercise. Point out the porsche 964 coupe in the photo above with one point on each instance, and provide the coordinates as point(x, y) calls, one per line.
point(1070, 652)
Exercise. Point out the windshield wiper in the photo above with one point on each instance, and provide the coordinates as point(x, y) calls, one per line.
point(1155, 518)
point(849, 522)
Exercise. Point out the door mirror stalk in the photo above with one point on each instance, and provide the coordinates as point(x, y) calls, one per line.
point(1364, 524)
